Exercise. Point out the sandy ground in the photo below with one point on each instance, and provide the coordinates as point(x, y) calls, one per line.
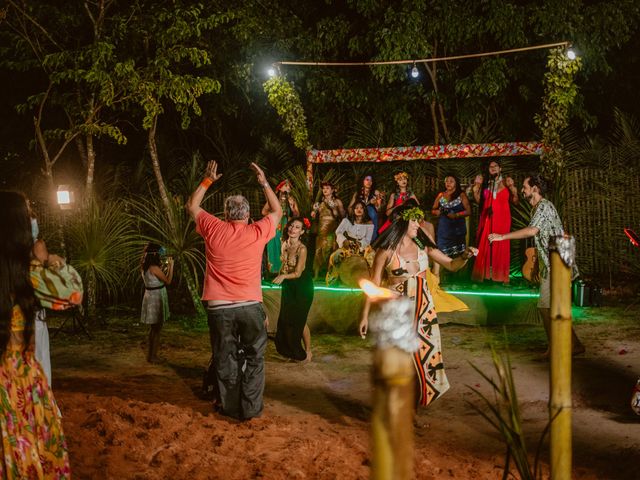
point(126, 419)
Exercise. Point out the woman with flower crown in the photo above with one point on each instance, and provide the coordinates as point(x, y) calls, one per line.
point(289, 210)
point(398, 198)
point(297, 294)
point(403, 252)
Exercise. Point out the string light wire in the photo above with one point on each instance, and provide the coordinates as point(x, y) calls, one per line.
point(426, 60)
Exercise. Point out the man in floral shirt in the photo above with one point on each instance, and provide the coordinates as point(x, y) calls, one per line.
point(545, 223)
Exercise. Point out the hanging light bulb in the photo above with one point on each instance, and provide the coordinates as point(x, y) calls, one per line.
point(571, 54)
point(271, 72)
point(415, 73)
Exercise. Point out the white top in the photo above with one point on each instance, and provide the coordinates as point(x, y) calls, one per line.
point(358, 231)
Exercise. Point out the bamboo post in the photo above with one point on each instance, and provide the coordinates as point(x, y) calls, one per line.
point(392, 419)
point(394, 390)
point(562, 250)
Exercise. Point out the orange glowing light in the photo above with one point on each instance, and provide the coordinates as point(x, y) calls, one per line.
point(375, 292)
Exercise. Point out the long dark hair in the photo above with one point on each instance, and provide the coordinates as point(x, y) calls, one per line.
point(285, 231)
point(365, 216)
point(458, 190)
point(151, 256)
point(391, 237)
point(487, 179)
point(16, 245)
point(361, 187)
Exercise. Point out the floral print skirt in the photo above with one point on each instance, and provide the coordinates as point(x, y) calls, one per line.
point(33, 445)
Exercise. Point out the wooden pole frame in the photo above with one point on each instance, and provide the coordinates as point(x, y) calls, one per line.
point(560, 406)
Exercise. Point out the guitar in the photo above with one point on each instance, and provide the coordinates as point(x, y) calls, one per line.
point(530, 269)
point(633, 237)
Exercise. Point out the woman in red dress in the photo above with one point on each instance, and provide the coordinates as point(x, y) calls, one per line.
point(398, 198)
point(495, 198)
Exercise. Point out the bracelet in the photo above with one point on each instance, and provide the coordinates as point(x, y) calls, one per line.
point(206, 182)
point(265, 185)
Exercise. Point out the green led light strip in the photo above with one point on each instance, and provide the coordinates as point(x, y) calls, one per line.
point(461, 292)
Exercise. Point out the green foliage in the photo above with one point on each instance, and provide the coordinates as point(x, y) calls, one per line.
point(164, 59)
point(504, 415)
point(101, 245)
point(178, 237)
point(284, 98)
point(559, 96)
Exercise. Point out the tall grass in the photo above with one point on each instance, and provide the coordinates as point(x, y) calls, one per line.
point(503, 413)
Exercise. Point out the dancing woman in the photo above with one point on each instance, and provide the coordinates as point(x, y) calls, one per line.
point(495, 197)
point(328, 212)
point(289, 210)
point(451, 207)
point(32, 443)
point(297, 294)
point(371, 197)
point(398, 198)
point(403, 252)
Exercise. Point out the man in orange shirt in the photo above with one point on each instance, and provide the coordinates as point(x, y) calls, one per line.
point(233, 293)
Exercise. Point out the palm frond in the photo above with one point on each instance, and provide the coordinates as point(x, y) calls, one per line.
point(503, 413)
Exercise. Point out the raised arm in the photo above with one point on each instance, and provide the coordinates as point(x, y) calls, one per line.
point(211, 176)
point(272, 199)
point(265, 210)
point(294, 206)
point(477, 188)
point(513, 191)
point(160, 275)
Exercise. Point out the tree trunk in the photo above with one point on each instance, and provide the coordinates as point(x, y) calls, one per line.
point(91, 162)
point(155, 161)
point(195, 295)
point(48, 175)
point(91, 298)
point(434, 119)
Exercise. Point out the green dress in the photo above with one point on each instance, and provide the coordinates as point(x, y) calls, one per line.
point(275, 244)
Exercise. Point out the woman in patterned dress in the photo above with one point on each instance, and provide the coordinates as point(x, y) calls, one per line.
point(451, 207)
point(403, 252)
point(155, 304)
point(328, 213)
point(32, 441)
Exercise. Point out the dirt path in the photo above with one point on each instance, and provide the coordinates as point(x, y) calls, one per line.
point(127, 419)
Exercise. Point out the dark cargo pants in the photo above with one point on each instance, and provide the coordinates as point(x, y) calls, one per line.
point(239, 340)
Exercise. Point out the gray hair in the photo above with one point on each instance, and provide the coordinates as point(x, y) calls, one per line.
point(236, 207)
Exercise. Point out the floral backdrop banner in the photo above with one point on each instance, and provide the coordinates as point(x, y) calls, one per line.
point(427, 152)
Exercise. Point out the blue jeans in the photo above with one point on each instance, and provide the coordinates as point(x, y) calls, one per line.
point(239, 340)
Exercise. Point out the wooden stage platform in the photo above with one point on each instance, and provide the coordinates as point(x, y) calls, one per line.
point(337, 309)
